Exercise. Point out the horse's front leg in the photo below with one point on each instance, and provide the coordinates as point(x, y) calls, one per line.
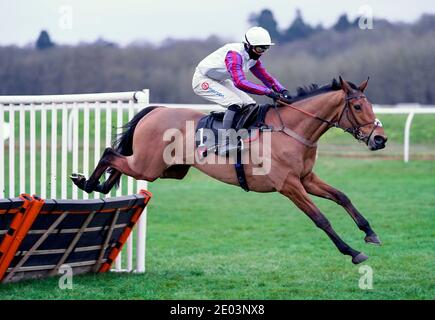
point(315, 186)
point(295, 191)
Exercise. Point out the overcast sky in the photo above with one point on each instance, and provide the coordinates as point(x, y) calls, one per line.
point(125, 21)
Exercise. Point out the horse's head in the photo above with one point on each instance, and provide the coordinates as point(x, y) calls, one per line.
point(358, 118)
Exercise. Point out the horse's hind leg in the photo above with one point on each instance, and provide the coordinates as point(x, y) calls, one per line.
point(119, 164)
point(91, 184)
point(107, 185)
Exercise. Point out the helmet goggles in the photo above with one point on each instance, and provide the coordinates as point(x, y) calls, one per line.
point(260, 49)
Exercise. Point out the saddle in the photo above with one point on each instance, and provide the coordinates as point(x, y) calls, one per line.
point(251, 118)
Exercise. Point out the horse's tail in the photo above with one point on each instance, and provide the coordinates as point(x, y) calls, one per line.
point(124, 141)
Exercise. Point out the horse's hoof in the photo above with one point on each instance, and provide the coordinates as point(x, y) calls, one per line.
point(78, 179)
point(373, 239)
point(361, 257)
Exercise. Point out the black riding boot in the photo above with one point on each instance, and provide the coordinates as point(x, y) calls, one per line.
point(227, 123)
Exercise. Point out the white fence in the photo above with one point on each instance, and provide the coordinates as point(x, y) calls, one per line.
point(34, 155)
point(410, 110)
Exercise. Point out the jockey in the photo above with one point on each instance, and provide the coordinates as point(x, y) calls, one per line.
point(220, 77)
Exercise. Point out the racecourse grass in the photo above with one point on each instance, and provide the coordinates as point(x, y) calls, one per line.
point(208, 240)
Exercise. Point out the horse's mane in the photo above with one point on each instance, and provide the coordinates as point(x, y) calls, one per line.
point(314, 90)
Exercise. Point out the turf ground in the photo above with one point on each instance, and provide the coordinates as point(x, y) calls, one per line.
point(208, 240)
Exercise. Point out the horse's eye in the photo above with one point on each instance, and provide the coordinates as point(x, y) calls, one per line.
point(357, 107)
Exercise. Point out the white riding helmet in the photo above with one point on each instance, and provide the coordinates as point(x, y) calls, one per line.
point(258, 36)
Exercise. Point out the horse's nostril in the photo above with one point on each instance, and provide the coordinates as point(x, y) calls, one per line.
point(379, 140)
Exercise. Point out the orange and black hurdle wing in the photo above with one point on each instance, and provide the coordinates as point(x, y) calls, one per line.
point(85, 235)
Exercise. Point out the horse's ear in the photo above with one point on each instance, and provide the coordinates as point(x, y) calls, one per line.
point(363, 85)
point(345, 86)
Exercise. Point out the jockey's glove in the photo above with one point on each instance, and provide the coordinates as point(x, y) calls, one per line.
point(274, 95)
point(286, 94)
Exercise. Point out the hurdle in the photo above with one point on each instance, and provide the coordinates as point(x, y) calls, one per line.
point(49, 137)
point(39, 237)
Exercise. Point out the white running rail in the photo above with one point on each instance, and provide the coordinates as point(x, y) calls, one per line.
point(410, 110)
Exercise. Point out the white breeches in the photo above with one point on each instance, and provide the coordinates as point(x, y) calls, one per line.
point(223, 92)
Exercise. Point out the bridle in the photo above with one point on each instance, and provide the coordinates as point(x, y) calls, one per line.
point(354, 129)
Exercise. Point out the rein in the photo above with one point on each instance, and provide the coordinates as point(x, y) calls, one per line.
point(354, 130)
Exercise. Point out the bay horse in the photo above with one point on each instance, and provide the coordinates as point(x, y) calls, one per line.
point(298, 124)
